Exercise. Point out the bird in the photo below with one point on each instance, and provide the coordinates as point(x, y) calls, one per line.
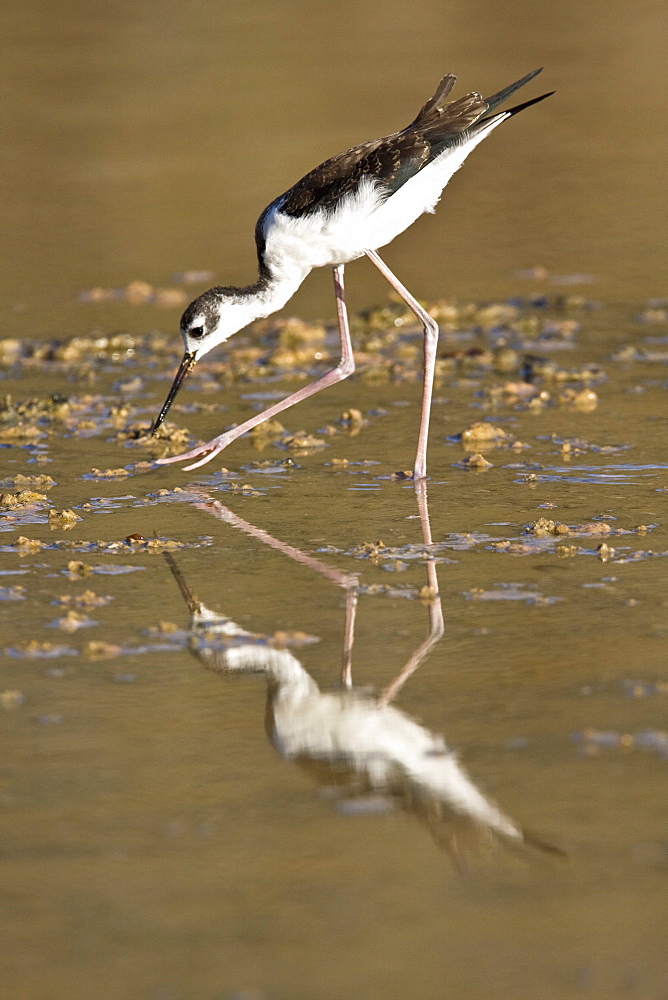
point(368, 754)
point(346, 208)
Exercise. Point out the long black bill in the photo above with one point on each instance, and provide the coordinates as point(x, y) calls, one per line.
point(186, 366)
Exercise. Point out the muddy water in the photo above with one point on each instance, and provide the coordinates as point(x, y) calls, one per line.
point(197, 801)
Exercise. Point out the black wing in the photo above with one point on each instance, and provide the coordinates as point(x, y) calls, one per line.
point(390, 161)
point(394, 159)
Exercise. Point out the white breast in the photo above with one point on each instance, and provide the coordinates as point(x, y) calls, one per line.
point(364, 220)
point(323, 237)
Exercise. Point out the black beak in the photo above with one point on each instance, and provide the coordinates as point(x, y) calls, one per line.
point(185, 368)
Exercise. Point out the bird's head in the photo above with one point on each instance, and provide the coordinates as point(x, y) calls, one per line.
point(209, 320)
point(203, 323)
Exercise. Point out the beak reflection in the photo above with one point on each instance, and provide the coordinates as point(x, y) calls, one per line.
point(186, 366)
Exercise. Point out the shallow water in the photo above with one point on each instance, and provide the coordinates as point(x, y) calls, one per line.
point(193, 804)
point(155, 838)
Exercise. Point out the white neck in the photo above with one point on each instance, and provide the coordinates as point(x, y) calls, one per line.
point(283, 280)
point(238, 307)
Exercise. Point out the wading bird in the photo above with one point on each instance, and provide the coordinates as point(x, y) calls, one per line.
point(366, 752)
point(347, 207)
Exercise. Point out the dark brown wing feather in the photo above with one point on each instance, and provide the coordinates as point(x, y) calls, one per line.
point(390, 161)
point(393, 159)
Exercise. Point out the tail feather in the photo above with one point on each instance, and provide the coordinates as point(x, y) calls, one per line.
point(498, 98)
point(455, 117)
point(502, 115)
point(440, 122)
point(434, 106)
point(443, 124)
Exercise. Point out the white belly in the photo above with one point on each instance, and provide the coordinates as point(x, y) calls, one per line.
point(364, 220)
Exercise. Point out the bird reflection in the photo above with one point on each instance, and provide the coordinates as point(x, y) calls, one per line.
point(366, 754)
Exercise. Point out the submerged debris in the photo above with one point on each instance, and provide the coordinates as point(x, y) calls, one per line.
point(72, 621)
point(29, 482)
point(23, 544)
point(267, 431)
point(593, 741)
point(654, 314)
point(510, 592)
point(516, 394)
point(645, 689)
point(482, 433)
point(570, 447)
point(87, 599)
point(109, 473)
point(301, 442)
point(151, 546)
point(544, 526)
point(352, 418)
point(137, 293)
point(582, 399)
point(22, 499)
point(15, 593)
point(99, 650)
point(482, 436)
point(295, 342)
point(33, 649)
point(65, 519)
point(11, 698)
point(139, 433)
point(476, 463)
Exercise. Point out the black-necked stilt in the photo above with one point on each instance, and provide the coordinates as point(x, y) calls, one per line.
point(365, 750)
point(349, 206)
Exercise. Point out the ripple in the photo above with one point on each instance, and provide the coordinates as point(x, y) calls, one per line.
point(600, 475)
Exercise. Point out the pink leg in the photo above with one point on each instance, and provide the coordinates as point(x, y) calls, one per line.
point(345, 367)
point(430, 345)
point(349, 638)
point(436, 625)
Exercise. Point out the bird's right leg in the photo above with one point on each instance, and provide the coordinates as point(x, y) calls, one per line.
point(430, 328)
point(349, 638)
point(436, 626)
point(345, 367)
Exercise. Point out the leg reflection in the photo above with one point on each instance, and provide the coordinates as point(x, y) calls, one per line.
point(368, 754)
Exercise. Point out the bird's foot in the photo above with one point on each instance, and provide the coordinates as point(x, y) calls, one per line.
point(204, 453)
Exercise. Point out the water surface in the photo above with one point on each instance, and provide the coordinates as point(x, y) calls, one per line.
point(162, 835)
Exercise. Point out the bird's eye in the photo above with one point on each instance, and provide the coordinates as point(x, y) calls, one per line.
point(196, 332)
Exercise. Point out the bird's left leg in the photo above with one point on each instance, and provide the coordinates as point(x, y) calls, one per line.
point(430, 327)
point(345, 367)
